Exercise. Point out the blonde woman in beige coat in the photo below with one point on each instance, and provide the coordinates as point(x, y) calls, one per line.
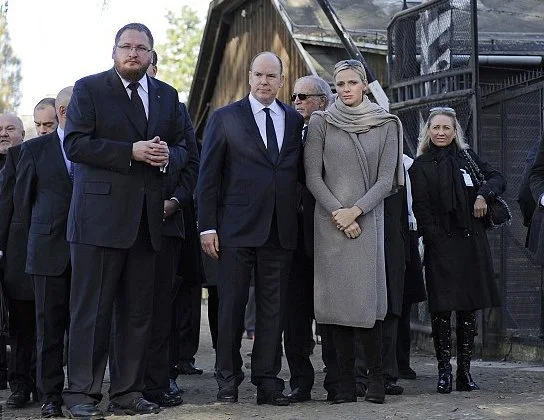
point(353, 160)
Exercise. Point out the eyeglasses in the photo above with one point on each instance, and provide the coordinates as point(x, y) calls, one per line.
point(353, 63)
point(138, 49)
point(442, 109)
point(303, 96)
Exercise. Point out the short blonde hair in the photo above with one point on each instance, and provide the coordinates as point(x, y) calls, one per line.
point(424, 140)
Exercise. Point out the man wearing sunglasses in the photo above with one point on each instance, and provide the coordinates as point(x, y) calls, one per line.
point(311, 93)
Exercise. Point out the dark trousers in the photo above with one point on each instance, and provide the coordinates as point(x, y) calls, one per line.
point(22, 340)
point(404, 338)
point(389, 352)
point(249, 316)
point(271, 266)
point(158, 358)
point(52, 320)
point(213, 313)
point(340, 359)
point(187, 329)
point(339, 347)
point(298, 334)
point(112, 293)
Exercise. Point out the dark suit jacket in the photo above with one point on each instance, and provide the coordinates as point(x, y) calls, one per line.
point(180, 181)
point(46, 191)
point(13, 235)
point(110, 189)
point(536, 182)
point(239, 187)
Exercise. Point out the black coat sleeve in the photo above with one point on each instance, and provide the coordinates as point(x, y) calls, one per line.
point(495, 183)
point(188, 177)
point(421, 202)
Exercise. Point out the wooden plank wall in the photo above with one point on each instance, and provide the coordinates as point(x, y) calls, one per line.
point(259, 28)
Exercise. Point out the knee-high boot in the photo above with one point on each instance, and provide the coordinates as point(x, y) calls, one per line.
point(466, 330)
point(441, 329)
point(371, 339)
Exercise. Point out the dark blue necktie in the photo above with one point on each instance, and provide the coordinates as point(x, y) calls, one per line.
point(271, 139)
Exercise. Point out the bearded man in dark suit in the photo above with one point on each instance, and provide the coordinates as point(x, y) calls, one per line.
point(120, 126)
point(247, 217)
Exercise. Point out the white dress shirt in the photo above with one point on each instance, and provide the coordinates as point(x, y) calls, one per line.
point(278, 118)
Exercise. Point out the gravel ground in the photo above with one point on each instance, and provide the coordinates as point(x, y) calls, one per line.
point(509, 390)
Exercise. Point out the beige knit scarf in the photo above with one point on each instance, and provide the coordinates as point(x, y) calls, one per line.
point(360, 119)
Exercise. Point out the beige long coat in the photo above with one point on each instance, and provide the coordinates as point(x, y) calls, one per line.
point(343, 170)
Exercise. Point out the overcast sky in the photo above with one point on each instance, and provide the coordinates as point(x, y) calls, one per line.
point(60, 41)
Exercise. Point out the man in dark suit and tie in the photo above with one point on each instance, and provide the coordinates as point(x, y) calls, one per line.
point(120, 125)
point(247, 216)
point(45, 185)
point(311, 93)
point(178, 188)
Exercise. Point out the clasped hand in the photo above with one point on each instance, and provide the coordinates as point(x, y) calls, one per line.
point(480, 207)
point(153, 152)
point(344, 219)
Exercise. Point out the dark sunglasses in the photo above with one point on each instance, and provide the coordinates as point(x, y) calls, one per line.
point(353, 63)
point(442, 109)
point(303, 96)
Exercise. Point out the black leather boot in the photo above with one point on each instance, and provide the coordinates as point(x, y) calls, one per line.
point(441, 330)
point(372, 344)
point(466, 330)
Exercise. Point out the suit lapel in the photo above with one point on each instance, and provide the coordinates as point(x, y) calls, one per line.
point(154, 105)
point(121, 98)
point(248, 122)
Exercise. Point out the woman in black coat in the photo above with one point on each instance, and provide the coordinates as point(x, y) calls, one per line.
point(449, 209)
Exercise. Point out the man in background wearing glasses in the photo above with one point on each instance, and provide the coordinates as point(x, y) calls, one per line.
point(120, 125)
point(311, 93)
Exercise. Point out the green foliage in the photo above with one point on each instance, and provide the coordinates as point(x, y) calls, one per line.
point(178, 55)
point(10, 68)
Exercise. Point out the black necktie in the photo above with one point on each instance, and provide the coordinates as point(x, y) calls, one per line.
point(271, 139)
point(139, 110)
point(304, 134)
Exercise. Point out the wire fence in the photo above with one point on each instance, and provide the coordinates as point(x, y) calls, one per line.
point(430, 62)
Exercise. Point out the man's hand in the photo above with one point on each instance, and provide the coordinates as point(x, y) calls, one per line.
point(210, 244)
point(480, 207)
point(353, 230)
point(153, 152)
point(343, 218)
point(170, 207)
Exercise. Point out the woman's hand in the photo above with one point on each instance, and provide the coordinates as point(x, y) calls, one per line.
point(480, 207)
point(353, 230)
point(343, 218)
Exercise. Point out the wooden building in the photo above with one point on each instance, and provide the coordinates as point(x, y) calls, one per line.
point(511, 82)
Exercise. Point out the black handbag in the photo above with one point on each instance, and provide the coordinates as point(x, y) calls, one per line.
point(498, 213)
